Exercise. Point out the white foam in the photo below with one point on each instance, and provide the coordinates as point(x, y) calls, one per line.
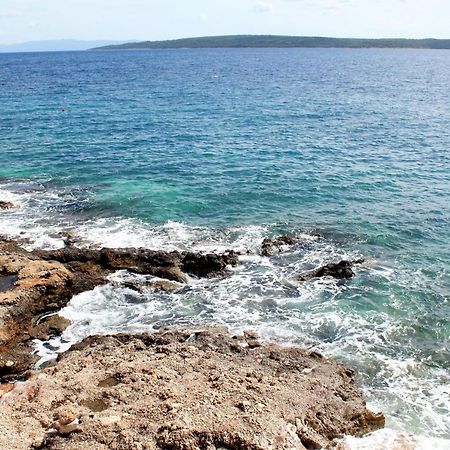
point(30, 220)
point(122, 233)
point(389, 439)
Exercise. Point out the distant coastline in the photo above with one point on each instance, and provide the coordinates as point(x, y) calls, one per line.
point(60, 45)
point(269, 41)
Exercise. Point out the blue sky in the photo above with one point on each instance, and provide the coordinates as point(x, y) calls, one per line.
point(24, 20)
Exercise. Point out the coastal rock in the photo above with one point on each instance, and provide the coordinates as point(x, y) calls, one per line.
point(67, 421)
point(69, 238)
point(271, 247)
point(6, 205)
point(181, 389)
point(157, 285)
point(340, 270)
point(171, 265)
point(184, 389)
point(40, 287)
point(209, 265)
point(33, 285)
point(48, 326)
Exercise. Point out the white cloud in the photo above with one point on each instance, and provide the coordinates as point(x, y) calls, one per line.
point(263, 6)
point(9, 14)
point(167, 19)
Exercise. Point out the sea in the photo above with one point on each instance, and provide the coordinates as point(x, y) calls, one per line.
point(216, 149)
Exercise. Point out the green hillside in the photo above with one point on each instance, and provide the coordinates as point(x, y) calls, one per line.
point(249, 41)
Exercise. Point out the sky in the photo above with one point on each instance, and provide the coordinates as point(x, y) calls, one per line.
point(29, 20)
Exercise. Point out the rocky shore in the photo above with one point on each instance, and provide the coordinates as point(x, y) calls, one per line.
point(185, 390)
point(177, 389)
point(39, 283)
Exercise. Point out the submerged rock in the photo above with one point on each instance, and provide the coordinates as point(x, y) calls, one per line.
point(271, 247)
point(157, 285)
point(184, 389)
point(69, 238)
point(340, 270)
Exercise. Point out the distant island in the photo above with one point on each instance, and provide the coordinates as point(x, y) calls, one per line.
point(257, 41)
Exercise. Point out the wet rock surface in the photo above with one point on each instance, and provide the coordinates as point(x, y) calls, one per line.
point(40, 287)
point(34, 284)
point(6, 205)
point(340, 270)
point(170, 265)
point(271, 247)
point(7, 282)
point(184, 389)
point(156, 285)
point(176, 389)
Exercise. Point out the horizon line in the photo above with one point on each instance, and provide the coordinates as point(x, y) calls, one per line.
point(224, 35)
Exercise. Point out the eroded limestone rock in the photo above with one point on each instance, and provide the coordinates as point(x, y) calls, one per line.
point(185, 389)
point(45, 281)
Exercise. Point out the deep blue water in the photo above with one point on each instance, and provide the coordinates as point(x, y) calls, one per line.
point(217, 148)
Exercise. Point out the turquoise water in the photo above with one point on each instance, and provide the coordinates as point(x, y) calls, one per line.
point(215, 149)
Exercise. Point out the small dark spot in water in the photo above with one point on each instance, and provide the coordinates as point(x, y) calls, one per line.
point(7, 282)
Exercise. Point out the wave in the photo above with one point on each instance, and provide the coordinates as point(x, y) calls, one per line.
point(389, 439)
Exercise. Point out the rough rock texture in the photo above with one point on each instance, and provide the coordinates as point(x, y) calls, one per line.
point(170, 265)
point(271, 247)
point(40, 287)
point(6, 205)
point(177, 389)
point(340, 270)
point(34, 284)
point(184, 390)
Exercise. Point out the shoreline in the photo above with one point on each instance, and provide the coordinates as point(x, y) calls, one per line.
point(45, 281)
point(261, 144)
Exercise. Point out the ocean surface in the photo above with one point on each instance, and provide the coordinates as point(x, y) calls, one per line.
point(217, 149)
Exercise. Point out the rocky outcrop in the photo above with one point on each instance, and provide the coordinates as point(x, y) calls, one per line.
point(6, 205)
point(184, 390)
point(170, 265)
point(35, 284)
point(340, 270)
point(39, 287)
point(70, 238)
point(271, 247)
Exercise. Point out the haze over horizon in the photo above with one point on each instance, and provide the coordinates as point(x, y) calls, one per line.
point(141, 20)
